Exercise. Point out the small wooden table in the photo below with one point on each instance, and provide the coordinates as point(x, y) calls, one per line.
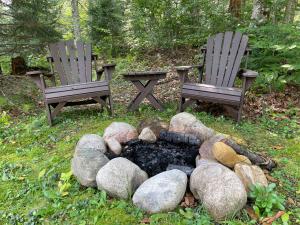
point(145, 91)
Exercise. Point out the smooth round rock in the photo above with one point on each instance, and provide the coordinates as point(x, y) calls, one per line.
point(88, 159)
point(90, 143)
point(161, 193)
point(147, 135)
point(220, 190)
point(120, 178)
point(188, 124)
point(122, 132)
point(250, 175)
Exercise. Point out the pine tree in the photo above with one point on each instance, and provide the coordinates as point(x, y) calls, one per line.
point(27, 25)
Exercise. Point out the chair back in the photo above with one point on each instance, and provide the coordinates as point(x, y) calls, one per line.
point(224, 53)
point(72, 61)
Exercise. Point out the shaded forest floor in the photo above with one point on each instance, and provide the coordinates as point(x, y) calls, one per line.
point(34, 155)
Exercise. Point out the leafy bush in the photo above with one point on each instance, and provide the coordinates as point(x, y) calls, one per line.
point(275, 54)
point(266, 200)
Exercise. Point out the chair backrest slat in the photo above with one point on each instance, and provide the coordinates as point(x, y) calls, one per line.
point(216, 57)
point(72, 62)
point(88, 63)
point(209, 59)
point(64, 59)
point(57, 63)
point(224, 53)
point(224, 57)
point(73, 59)
point(238, 59)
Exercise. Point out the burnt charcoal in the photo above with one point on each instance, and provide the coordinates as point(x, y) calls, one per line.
point(155, 157)
point(186, 169)
point(177, 138)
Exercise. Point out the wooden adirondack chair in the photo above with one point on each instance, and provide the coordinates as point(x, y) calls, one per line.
point(72, 61)
point(223, 55)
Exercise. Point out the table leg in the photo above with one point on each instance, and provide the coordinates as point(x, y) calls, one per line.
point(155, 102)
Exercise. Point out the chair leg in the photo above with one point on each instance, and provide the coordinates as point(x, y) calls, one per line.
point(49, 116)
point(181, 102)
point(239, 114)
point(110, 101)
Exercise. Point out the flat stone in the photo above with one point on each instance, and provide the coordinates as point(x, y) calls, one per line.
point(120, 178)
point(161, 193)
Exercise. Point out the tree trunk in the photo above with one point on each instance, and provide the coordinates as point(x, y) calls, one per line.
point(235, 7)
point(75, 19)
point(258, 11)
point(290, 11)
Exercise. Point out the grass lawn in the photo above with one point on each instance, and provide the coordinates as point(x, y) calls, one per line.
point(35, 160)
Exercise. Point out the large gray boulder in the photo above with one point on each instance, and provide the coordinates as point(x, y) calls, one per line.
point(88, 159)
point(161, 193)
point(120, 178)
point(118, 133)
point(188, 124)
point(220, 190)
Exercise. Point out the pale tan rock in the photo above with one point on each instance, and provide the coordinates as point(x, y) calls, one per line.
point(250, 174)
point(147, 135)
point(114, 146)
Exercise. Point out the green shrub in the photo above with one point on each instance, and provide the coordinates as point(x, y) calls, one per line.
point(266, 200)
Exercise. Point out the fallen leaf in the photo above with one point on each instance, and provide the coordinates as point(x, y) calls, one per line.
point(145, 221)
point(270, 220)
point(291, 201)
point(271, 179)
point(251, 213)
point(188, 201)
point(277, 147)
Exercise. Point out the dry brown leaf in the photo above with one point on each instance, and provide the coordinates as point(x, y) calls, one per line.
point(145, 221)
point(271, 179)
point(251, 213)
point(270, 220)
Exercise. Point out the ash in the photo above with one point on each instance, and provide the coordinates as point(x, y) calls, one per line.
point(155, 157)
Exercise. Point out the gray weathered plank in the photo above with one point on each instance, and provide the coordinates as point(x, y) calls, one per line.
point(73, 60)
point(88, 62)
point(208, 59)
point(57, 64)
point(224, 57)
point(76, 86)
point(64, 61)
point(75, 92)
point(81, 63)
point(213, 89)
point(238, 59)
point(232, 55)
point(216, 57)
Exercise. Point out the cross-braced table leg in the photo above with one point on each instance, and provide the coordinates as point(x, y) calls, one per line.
point(145, 91)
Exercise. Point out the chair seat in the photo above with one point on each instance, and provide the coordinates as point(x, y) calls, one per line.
point(212, 93)
point(76, 91)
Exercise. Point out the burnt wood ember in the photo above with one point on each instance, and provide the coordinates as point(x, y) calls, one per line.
point(155, 157)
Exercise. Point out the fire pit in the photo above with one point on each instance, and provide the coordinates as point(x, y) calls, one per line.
point(170, 151)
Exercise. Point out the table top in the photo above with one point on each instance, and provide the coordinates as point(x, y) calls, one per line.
point(147, 75)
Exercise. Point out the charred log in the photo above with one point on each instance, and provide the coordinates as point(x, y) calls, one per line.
point(255, 158)
point(178, 138)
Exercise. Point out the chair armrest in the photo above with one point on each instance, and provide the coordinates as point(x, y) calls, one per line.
point(108, 70)
point(248, 77)
point(249, 73)
point(35, 77)
point(183, 72)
